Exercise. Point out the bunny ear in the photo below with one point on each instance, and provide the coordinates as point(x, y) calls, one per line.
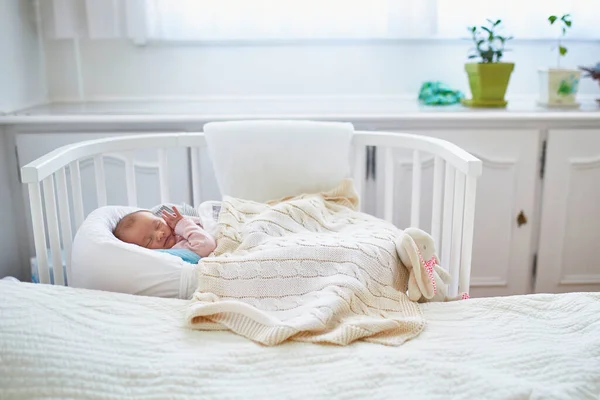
point(416, 260)
point(414, 293)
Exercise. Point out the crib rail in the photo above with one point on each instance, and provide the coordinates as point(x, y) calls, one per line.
point(453, 213)
point(454, 185)
point(50, 171)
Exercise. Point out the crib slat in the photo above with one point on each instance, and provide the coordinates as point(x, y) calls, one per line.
point(76, 193)
point(467, 235)
point(163, 175)
point(360, 161)
point(53, 231)
point(39, 232)
point(457, 226)
point(100, 180)
point(447, 217)
point(196, 185)
point(436, 212)
point(415, 207)
point(65, 218)
point(130, 179)
point(388, 205)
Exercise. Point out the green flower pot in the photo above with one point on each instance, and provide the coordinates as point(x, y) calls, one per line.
point(488, 82)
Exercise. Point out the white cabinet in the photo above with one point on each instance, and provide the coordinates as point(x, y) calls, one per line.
point(570, 222)
point(503, 249)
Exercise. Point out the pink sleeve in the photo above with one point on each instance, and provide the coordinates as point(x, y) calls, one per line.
point(198, 240)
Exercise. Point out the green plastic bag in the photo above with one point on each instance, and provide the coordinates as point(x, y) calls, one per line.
point(439, 94)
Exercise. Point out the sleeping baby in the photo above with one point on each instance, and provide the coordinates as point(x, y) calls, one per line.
point(171, 231)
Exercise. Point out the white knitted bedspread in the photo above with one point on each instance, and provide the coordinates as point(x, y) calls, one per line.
point(309, 268)
point(65, 343)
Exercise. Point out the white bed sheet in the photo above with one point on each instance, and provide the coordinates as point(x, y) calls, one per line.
point(58, 342)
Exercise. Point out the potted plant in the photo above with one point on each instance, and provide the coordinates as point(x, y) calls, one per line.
point(489, 77)
point(594, 73)
point(558, 86)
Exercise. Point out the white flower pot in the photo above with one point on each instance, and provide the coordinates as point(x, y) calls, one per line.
point(558, 87)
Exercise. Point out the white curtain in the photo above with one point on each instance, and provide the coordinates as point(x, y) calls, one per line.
point(272, 20)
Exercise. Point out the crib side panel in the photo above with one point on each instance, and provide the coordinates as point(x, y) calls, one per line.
point(441, 182)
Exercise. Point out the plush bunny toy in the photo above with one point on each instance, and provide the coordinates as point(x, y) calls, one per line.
point(427, 280)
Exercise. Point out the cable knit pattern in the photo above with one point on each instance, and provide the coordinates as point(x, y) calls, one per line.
point(309, 268)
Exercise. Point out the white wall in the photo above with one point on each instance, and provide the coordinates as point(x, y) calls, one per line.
point(21, 85)
point(116, 69)
point(21, 72)
point(11, 263)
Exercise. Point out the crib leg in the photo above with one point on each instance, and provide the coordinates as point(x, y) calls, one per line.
point(467, 235)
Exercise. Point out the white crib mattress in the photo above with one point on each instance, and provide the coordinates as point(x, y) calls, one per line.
point(71, 343)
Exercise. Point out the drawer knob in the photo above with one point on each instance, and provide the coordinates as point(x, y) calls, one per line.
point(521, 219)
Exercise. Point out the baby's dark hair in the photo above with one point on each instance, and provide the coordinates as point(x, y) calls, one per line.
point(125, 223)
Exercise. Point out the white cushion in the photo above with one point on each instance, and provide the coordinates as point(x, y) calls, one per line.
point(266, 160)
point(101, 261)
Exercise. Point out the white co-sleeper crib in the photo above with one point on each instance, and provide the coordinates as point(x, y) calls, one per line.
point(452, 214)
point(64, 342)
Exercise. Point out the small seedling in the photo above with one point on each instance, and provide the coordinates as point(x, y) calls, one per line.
point(565, 23)
point(489, 45)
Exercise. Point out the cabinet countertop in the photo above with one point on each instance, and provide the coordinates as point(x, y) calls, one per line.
point(354, 109)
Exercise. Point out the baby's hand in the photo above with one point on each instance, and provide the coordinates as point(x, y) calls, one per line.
point(172, 219)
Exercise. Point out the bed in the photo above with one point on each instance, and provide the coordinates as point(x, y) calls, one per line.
point(62, 342)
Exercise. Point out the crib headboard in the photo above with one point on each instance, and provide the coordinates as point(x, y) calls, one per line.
point(57, 204)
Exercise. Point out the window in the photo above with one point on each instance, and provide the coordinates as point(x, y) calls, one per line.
point(216, 20)
point(286, 19)
point(523, 19)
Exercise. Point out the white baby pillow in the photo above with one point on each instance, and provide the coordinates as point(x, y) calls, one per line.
point(267, 160)
point(101, 261)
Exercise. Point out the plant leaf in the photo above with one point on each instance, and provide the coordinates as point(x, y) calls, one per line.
point(472, 29)
point(473, 56)
point(567, 22)
point(490, 21)
point(562, 50)
point(565, 17)
point(498, 22)
point(488, 30)
point(552, 18)
point(564, 30)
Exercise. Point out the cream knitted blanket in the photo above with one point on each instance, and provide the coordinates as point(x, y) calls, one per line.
point(309, 268)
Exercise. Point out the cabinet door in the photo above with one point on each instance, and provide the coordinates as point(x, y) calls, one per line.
point(570, 222)
point(502, 250)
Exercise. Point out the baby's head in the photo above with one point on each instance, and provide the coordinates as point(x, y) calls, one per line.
point(145, 229)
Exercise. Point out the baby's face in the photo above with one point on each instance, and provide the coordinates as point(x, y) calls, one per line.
point(149, 231)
